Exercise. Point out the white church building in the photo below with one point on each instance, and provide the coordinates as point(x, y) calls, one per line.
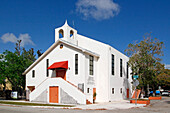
point(78, 70)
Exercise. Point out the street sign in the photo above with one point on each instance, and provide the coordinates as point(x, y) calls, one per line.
point(135, 77)
point(136, 83)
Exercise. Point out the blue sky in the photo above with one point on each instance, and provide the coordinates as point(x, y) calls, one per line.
point(116, 23)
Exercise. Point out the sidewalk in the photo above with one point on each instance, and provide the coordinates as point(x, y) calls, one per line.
point(124, 104)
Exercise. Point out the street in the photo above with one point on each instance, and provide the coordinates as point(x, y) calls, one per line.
point(162, 106)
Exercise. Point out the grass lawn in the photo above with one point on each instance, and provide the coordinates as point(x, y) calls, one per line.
point(33, 104)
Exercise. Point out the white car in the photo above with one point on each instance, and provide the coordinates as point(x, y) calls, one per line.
point(165, 93)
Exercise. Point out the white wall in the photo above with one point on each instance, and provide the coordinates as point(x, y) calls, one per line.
point(104, 81)
point(101, 79)
point(90, 79)
point(57, 55)
point(116, 81)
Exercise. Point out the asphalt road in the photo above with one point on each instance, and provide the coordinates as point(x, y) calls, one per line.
point(162, 106)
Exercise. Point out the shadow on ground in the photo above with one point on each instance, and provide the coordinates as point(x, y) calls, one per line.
point(167, 102)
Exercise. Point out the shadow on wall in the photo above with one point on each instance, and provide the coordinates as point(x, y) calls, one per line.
point(53, 73)
point(127, 85)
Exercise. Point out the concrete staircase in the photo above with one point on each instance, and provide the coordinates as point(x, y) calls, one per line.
point(69, 88)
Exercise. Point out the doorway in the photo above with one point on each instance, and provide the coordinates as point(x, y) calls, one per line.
point(54, 94)
point(127, 92)
point(61, 73)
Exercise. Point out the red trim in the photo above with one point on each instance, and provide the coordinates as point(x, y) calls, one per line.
point(147, 102)
point(137, 93)
point(155, 98)
point(63, 64)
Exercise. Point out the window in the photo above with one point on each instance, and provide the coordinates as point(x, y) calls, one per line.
point(91, 64)
point(47, 65)
point(81, 87)
point(120, 90)
point(112, 64)
point(113, 91)
point(127, 70)
point(76, 63)
point(61, 46)
point(33, 73)
point(121, 68)
point(88, 90)
point(71, 33)
point(61, 33)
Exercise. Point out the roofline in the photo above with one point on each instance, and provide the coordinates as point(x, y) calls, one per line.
point(109, 46)
point(52, 47)
point(80, 48)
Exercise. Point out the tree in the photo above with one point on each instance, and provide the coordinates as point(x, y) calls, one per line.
point(13, 64)
point(2, 78)
point(144, 59)
point(163, 79)
point(39, 53)
point(12, 69)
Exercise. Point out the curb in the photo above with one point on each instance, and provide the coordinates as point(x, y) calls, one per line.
point(74, 108)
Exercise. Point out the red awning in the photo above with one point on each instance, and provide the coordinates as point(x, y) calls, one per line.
point(63, 64)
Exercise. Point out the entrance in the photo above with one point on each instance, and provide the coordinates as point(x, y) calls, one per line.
point(127, 93)
point(54, 94)
point(61, 73)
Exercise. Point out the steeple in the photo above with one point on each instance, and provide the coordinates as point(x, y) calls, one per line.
point(66, 33)
point(66, 24)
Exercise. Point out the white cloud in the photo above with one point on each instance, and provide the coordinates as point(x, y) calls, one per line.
point(26, 39)
point(97, 9)
point(10, 37)
point(167, 66)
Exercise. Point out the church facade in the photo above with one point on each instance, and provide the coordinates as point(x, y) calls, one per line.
point(78, 70)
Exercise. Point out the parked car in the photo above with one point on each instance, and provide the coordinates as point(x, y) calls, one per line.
point(151, 93)
point(165, 93)
point(157, 93)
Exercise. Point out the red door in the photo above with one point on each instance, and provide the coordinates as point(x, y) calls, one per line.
point(54, 94)
point(94, 93)
point(127, 93)
point(61, 73)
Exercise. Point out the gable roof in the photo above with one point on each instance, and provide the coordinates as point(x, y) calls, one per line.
point(53, 46)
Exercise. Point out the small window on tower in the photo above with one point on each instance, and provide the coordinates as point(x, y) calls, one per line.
point(71, 33)
point(61, 33)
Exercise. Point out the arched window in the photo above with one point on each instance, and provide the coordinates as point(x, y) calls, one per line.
point(61, 33)
point(71, 33)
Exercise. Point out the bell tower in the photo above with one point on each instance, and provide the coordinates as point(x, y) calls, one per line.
point(67, 33)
